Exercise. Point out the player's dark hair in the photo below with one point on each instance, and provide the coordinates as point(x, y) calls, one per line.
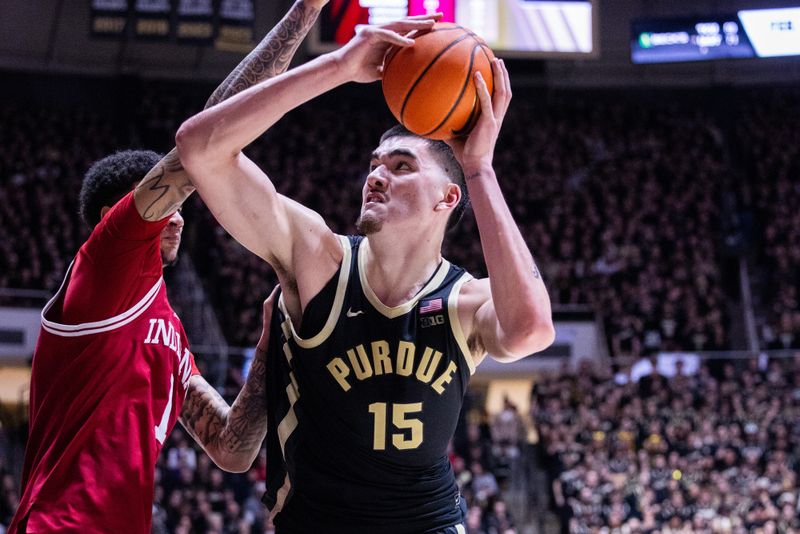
point(447, 160)
point(110, 178)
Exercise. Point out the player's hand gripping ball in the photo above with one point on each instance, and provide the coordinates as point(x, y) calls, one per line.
point(430, 86)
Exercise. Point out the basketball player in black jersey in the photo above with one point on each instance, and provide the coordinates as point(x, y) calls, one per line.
point(377, 336)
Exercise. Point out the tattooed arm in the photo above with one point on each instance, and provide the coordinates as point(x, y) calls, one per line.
point(272, 55)
point(231, 435)
point(167, 185)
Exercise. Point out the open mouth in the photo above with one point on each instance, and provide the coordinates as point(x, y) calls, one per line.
point(375, 197)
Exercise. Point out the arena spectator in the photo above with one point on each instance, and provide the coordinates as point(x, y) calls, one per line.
point(688, 454)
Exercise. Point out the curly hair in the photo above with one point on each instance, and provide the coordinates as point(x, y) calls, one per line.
point(447, 160)
point(110, 178)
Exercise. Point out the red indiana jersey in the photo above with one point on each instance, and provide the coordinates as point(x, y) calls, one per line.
point(109, 376)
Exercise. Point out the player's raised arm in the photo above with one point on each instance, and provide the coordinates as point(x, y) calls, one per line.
point(167, 185)
point(231, 436)
point(514, 318)
point(240, 195)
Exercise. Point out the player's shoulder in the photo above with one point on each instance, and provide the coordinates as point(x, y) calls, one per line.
point(470, 296)
point(475, 289)
point(123, 212)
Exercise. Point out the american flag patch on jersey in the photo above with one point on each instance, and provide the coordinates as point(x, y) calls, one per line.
point(431, 306)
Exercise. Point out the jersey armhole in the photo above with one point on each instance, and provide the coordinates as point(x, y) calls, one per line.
point(455, 323)
point(336, 307)
point(95, 327)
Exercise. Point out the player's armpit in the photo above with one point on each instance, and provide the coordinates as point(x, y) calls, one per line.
point(488, 335)
point(164, 189)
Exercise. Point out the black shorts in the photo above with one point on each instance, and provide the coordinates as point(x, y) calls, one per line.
point(454, 529)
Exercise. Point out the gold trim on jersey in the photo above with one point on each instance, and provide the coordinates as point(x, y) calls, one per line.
point(336, 308)
point(288, 424)
point(455, 323)
point(283, 493)
point(400, 309)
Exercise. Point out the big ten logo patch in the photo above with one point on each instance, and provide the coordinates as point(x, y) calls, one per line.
point(431, 320)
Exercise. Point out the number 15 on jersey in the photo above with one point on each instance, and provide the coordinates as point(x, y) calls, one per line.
point(401, 420)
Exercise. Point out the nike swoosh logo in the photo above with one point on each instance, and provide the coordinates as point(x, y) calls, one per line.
point(351, 313)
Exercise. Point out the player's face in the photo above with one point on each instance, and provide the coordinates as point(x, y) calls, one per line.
point(404, 185)
point(171, 238)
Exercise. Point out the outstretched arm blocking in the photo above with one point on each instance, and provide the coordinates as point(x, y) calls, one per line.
point(167, 185)
point(231, 435)
point(273, 54)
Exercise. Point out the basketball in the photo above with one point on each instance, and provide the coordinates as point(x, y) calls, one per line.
point(430, 87)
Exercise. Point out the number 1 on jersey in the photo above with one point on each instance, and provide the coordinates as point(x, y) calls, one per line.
point(161, 429)
point(400, 421)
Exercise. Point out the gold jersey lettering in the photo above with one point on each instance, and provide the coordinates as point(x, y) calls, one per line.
point(445, 378)
point(339, 370)
point(360, 364)
point(405, 358)
point(381, 361)
point(380, 358)
point(428, 364)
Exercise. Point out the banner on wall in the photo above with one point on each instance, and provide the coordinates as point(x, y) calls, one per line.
point(236, 25)
point(151, 19)
point(109, 18)
point(194, 22)
point(228, 24)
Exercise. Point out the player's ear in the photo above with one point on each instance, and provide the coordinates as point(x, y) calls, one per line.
point(451, 198)
point(103, 211)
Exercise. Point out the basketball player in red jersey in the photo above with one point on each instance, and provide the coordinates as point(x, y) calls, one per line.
point(112, 365)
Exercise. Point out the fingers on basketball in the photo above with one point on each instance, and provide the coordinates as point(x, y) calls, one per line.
point(430, 87)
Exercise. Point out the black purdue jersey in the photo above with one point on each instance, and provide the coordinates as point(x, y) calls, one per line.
point(363, 402)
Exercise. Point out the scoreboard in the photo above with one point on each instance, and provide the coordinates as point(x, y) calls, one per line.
point(540, 28)
point(750, 33)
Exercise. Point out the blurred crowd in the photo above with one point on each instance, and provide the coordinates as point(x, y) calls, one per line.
point(770, 156)
point(716, 451)
point(621, 202)
point(43, 156)
point(625, 201)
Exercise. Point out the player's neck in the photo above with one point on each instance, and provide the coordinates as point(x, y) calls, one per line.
point(397, 269)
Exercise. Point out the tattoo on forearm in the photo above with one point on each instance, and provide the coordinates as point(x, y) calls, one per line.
point(247, 420)
point(239, 429)
point(272, 55)
point(536, 273)
point(165, 189)
point(204, 413)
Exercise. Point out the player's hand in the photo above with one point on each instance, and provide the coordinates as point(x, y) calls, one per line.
point(316, 4)
point(362, 57)
point(269, 304)
point(477, 148)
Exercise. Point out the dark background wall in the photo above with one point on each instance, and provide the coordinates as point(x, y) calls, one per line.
point(53, 36)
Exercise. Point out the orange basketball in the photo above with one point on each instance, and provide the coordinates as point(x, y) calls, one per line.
point(430, 86)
